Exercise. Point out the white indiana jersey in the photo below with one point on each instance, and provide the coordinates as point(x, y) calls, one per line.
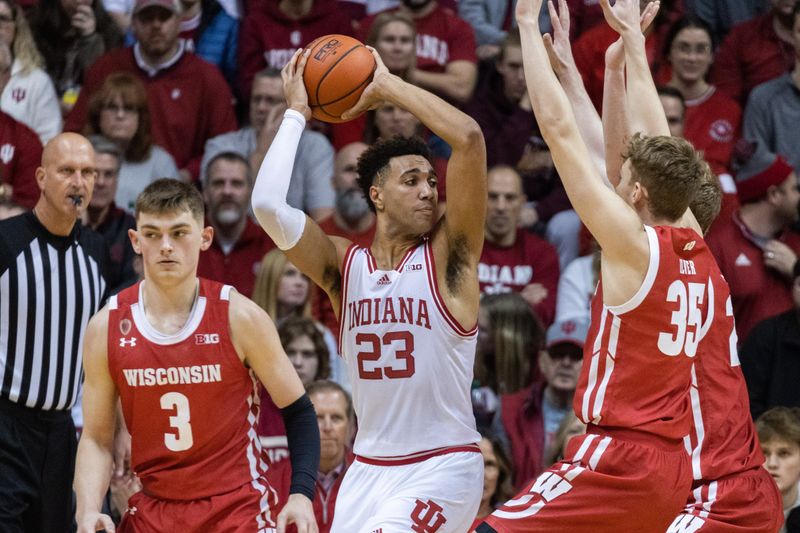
point(409, 361)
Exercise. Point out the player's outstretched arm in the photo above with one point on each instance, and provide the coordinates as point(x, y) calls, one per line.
point(559, 50)
point(614, 224)
point(94, 461)
point(306, 245)
point(644, 107)
point(257, 342)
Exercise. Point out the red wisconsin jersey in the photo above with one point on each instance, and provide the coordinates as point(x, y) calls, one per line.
point(190, 404)
point(638, 356)
point(723, 438)
point(713, 125)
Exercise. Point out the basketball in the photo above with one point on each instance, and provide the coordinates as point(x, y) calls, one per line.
point(337, 72)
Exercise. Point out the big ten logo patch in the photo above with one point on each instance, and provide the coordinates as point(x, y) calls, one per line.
point(206, 338)
point(427, 517)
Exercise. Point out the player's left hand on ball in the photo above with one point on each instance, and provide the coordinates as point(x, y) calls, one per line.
point(294, 90)
point(373, 95)
point(298, 511)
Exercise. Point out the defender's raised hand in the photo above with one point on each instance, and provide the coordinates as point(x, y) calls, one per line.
point(624, 16)
point(558, 47)
point(528, 11)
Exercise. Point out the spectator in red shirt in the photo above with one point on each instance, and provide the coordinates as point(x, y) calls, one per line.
point(755, 248)
point(713, 120)
point(351, 219)
point(446, 60)
point(514, 260)
point(501, 105)
point(190, 102)
point(590, 50)
point(239, 245)
point(756, 51)
point(20, 154)
point(336, 428)
point(274, 29)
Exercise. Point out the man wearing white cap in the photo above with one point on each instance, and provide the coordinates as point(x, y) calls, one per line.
point(530, 417)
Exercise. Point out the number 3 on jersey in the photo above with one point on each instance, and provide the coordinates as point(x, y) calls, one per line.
point(689, 326)
point(180, 404)
point(401, 341)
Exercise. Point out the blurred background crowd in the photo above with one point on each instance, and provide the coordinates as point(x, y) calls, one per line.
point(191, 89)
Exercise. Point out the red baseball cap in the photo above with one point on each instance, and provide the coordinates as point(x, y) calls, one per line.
point(169, 5)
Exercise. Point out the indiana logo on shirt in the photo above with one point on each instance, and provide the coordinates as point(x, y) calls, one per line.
point(427, 517)
point(6, 153)
point(18, 94)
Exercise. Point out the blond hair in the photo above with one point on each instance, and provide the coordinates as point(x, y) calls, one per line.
point(268, 279)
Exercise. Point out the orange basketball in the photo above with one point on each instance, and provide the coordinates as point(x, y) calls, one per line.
point(337, 72)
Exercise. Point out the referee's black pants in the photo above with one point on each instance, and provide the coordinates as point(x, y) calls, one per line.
point(37, 463)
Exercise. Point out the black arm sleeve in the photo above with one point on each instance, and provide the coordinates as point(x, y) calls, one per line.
point(302, 432)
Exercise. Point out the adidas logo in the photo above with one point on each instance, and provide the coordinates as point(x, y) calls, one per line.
point(742, 261)
point(384, 280)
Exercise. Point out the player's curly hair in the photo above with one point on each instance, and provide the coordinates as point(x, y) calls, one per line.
point(373, 165)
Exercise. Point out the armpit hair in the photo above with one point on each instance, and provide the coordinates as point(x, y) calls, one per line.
point(332, 278)
point(457, 261)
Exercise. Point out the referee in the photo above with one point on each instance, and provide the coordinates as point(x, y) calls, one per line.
point(52, 280)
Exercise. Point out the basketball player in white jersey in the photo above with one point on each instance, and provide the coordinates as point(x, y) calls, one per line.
point(408, 308)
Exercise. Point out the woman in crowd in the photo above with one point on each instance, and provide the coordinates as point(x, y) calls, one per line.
point(72, 34)
point(305, 346)
point(712, 121)
point(393, 35)
point(497, 476)
point(283, 291)
point(779, 433)
point(120, 112)
point(509, 339)
point(27, 91)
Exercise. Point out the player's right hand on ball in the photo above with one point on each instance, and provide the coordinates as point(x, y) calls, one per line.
point(294, 90)
point(96, 522)
point(298, 511)
point(373, 96)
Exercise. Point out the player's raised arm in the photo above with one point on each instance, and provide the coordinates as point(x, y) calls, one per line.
point(257, 341)
point(306, 245)
point(94, 459)
point(559, 49)
point(644, 107)
point(613, 223)
point(466, 169)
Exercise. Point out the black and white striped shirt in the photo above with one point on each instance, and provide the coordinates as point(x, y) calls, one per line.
point(49, 288)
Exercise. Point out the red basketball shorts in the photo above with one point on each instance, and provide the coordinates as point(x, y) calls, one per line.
point(747, 502)
point(244, 510)
point(607, 485)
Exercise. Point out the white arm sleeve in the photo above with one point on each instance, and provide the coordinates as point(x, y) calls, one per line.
point(283, 223)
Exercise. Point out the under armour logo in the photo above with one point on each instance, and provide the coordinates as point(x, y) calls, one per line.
point(131, 510)
point(384, 280)
point(123, 342)
point(427, 517)
point(175, 94)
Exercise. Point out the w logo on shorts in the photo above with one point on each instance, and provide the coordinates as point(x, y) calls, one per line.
point(427, 517)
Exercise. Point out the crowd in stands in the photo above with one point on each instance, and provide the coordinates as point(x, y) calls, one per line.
point(191, 89)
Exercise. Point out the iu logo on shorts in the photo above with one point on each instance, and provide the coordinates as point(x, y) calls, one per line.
point(427, 517)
